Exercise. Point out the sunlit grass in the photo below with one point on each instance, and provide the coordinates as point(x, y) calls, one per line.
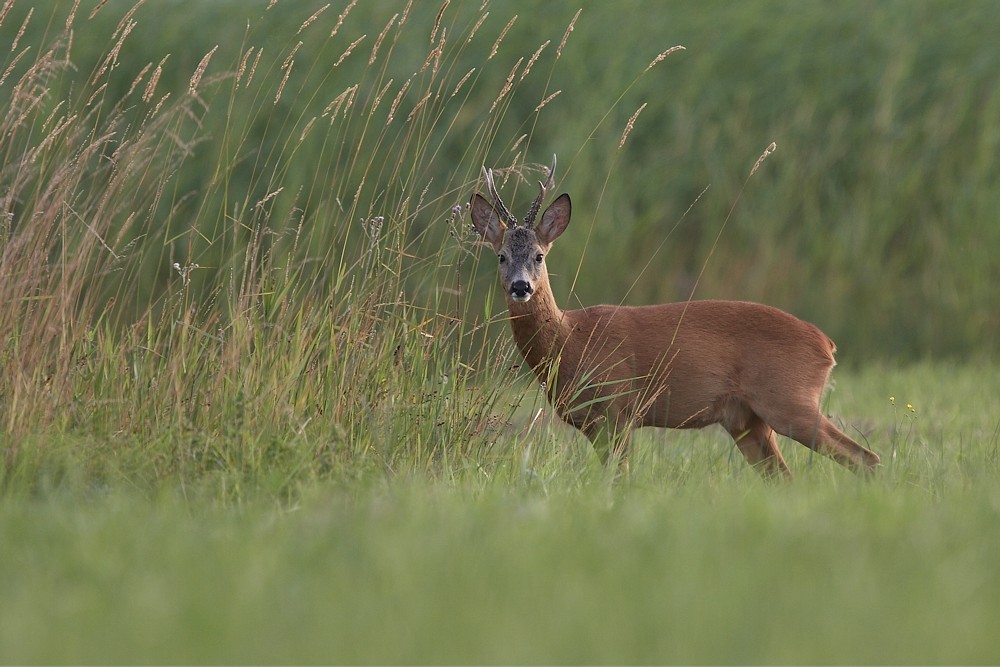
point(204, 299)
point(691, 559)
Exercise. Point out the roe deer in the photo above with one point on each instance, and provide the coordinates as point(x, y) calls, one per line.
point(752, 368)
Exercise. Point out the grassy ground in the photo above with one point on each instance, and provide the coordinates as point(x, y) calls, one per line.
point(538, 556)
point(710, 572)
point(257, 402)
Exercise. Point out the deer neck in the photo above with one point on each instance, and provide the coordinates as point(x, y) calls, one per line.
point(539, 328)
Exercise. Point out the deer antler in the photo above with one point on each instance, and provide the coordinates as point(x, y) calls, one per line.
point(498, 204)
point(529, 219)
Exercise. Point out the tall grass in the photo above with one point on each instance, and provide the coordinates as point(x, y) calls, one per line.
point(205, 280)
point(872, 218)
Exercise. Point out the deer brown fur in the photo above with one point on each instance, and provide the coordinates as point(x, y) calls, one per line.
point(751, 368)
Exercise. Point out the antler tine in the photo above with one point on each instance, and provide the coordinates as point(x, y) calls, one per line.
point(497, 202)
point(552, 173)
point(542, 189)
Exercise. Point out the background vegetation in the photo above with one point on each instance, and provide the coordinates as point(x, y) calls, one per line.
point(257, 393)
point(873, 218)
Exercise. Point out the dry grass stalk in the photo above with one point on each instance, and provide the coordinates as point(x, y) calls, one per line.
point(343, 15)
point(268, 198)
point(461, 82)
point(48, 121)
point(291, 55)
point(20, 33)
point(770, 149)
point(284, 79)
point(349, 49)
point(70, 18)
point(378, 42)
point(97, 8)
point(253, 68)
point(333, 108)
point(406, 13)
point(69, 44)
point(306, 129)
point(395, 102)
point(6, 9)
point(534, 57)
point(52, 136)
point(147, 94)
point(361, 186)
point(437, 20)
point(159, 105)
point(418, 106)
point(378, 97)
point(512, 169)
point(503, 33)
point(241, 70)
point(112, 59)
point(569, 29)
point(663, 56)
point(29, 92)
point(138, 79)
point(200, 70)
point(97, 93)
point(630, 124)
point(508, 84)
point(475, 28)
point(312, 18)
point(547, 100)
point(435, 54)
point(127, 18)
point(13, 64)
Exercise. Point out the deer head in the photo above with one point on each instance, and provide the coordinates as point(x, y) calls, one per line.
point(521, 249)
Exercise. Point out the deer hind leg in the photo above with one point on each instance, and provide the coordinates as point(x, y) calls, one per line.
point(803, 421)
point(754, 438)
point(759, 445)
point(845, 450)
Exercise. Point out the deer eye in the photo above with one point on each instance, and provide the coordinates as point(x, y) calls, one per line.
point(539, 257)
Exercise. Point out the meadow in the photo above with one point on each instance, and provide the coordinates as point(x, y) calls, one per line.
point(258, 398)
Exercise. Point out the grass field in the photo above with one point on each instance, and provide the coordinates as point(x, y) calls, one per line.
point(258, 398)
point(534, 554)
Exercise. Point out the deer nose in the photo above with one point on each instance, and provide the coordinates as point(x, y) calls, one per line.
point(520, 290)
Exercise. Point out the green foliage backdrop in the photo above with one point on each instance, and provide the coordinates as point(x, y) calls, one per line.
point(875, 218)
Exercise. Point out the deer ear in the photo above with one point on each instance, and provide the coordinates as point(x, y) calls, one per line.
point(554, 220)
point(486, 220)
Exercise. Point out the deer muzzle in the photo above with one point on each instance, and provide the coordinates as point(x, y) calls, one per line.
point(520, 290)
